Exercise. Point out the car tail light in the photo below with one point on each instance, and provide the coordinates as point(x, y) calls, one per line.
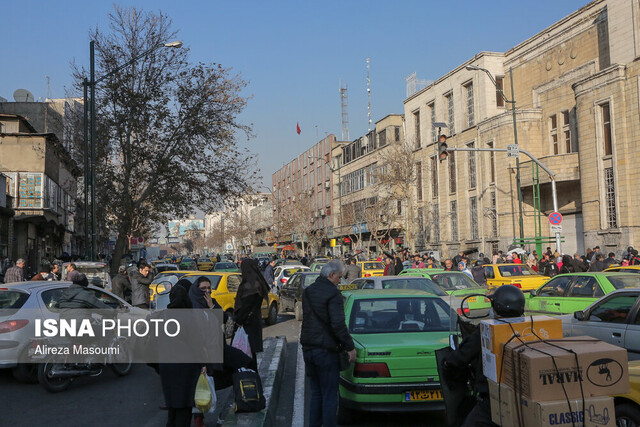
point(371, 370)
point(12, 325)
point(517, 285)
point(367, 275)
point(284, 280)
point(460, 311)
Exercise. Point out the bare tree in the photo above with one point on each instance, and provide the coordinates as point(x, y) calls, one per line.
point(162, 123)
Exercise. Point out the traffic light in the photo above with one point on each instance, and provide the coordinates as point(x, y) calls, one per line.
point(442, 148)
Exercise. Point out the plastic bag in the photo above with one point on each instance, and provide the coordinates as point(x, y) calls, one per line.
point(205, 397)
point(241, 342)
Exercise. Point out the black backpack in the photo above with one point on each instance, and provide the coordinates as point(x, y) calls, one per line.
point(247, 389)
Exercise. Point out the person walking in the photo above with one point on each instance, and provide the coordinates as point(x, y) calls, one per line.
point(389, 268)
point(551, 269)
point(44, 273)
point(597, 264)
point(579, 266)
point(120, 284)
point(324, 333)
point(352, 272)
point(478, 274)
point(140, 280)
point(398, 267)
point(248, 307)
point(269, 275)
point(567, 265)
point(16, 273)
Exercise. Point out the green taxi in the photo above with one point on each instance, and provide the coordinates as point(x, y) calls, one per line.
point(455, 283)
point(568, 293)
point(396, 334)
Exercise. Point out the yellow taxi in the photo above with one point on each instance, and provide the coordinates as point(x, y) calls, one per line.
point(204, 264)
point(518, 275)
point(625, 268)
point(628, 405)
point(371, 268)
point(162, 280)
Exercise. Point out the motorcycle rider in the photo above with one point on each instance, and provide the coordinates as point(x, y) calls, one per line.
point(78, 296)
point(507, 301)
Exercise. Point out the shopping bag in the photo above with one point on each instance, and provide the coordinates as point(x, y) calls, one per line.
point(241, 342)
point(205, 397)
point(212, 388)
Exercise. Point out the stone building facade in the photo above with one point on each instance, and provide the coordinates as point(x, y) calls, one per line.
point(576, 90)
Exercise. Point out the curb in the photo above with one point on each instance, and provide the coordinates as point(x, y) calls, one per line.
point(271, 369)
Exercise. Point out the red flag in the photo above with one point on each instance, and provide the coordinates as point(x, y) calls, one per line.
point(298, 128)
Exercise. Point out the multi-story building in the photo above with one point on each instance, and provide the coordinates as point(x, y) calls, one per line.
point(367, 215)
point(303, 198)
point(574, 85)
point(42, 185)
point(6, 217)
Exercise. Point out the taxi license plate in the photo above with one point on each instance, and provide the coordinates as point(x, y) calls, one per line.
point(421, 395)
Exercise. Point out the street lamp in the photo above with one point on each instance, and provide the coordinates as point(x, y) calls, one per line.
point(89, 133)
point(515, 135)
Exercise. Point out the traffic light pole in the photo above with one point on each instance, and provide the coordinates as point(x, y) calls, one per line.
point(552, 176)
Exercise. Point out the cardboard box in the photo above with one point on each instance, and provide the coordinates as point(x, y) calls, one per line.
point(602, 369)
point(497, 332)
point(600, 410)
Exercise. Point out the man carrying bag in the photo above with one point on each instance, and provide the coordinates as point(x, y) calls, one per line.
point(324, 338)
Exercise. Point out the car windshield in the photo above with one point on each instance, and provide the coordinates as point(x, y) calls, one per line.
point(187, 260)
point(626, 281)
point(417, 283)
point(454, 281)
point(224, 265)
point(310, 278)
point(12, 299)
point(392, 315)
point(204, 260)
point(288, 272)
point(165, 275)
point(373, 266)
point(162, 268)
point(515, 270)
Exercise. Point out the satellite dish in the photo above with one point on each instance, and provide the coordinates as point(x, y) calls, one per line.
point(23, 95)
point(3, 99)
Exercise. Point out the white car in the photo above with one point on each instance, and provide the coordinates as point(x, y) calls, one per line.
point(97, 273)
point(284, 272)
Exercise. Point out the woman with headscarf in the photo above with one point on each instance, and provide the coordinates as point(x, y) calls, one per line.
point(567, 265)
point(247, 311)
point(398, 267)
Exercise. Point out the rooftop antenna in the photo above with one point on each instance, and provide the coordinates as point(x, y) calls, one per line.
point(369, 92)
point(48, 88)
point(344, 102)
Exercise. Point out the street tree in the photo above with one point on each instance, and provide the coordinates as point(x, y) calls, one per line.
point(166, 131)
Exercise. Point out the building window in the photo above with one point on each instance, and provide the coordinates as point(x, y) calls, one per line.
point(553, 120)
point(610, 189)
point(452, 173)
point(450, 113)
point(472, 166)
point(432, 114)
point(473, 211)
point(494, 214)
point(454, 220)
point(416, 121)
point(396, 133)
point(492, 164)
point(469, 93)
point(419, 180)
point(606, 129)
point(382, 138)
point(399, 207)
point(566, 131)
point(434, 177)
point(499, 91)
point(436, 223)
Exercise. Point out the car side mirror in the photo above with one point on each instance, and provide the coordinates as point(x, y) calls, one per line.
point(579, 315)
point(533, 292)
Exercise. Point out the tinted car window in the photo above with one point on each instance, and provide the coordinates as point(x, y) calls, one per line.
point(417, 283)
point(309, 279)
point(107, 299)
point(515, 270)
point(373, 266)
point(224, 265)
point(12, 299)
point(374, 316)
point(555, 287)
point(614, 310)
point(50, 298)
point(621, 282)
point(584, 286)
point(233, 282)
point(488, 272)
point(454, 281)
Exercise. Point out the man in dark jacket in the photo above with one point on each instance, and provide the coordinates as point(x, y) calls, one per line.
point(324, 333)
point(597, 264)
point(352, 272)
point(120, 284)
point(269, 273)
point(140, 280)
point(578, 265)
point(551, 269)
point(478, 273)
point(78, 296)
point(611, 260)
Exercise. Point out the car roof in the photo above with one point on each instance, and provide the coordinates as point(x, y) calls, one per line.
point(388, 293)
point(164, 264)
point(599, 273)
point(86, 263)
point(307, 273)
point(211, 273)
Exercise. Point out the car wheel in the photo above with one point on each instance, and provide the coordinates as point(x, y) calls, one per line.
point(627, 415)
point(26, 373)
point(298, 310)
point(346, 416)
point(272, 318)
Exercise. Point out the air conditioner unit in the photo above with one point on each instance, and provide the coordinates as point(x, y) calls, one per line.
point(323, 212)
point(327, 185)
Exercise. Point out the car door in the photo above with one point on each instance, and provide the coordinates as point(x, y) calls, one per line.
point(548, 298)
point(227, 297)
point(490, 274)
point(287, 293)
point(608, 321)
point(584, 291)
point(632, 335)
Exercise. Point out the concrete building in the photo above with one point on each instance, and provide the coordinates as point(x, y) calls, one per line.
point(574, 85)
point(6, 217)
point(42, 185)
point(303, 202)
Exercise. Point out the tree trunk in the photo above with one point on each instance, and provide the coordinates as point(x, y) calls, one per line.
point(121, 246)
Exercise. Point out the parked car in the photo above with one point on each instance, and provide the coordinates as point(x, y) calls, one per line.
point(284, 272)
point(566, 293)
point(226, 267)
point(162, 282)
point(97, 273)
point(291, 292)
point(371, 268)
point(188, 264)
point(613, 318)
point(519, 275)
point(625, 269)
point(628, 405)
point(22, 303)
point(205, 264)
point(458, 284)
point(162, 267)
point(287, 262)
point(317, 266)
point(396, 333)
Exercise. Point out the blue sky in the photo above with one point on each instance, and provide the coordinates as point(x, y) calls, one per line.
point(293, 54)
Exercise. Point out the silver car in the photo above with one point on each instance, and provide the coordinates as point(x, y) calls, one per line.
point(97, 273)
point(614, 318)
point(21, 303)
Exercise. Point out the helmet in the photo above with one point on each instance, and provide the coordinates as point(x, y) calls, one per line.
point(479, 262)
point(508, 301)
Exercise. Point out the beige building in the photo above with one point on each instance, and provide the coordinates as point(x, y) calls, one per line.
point(576, 91)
